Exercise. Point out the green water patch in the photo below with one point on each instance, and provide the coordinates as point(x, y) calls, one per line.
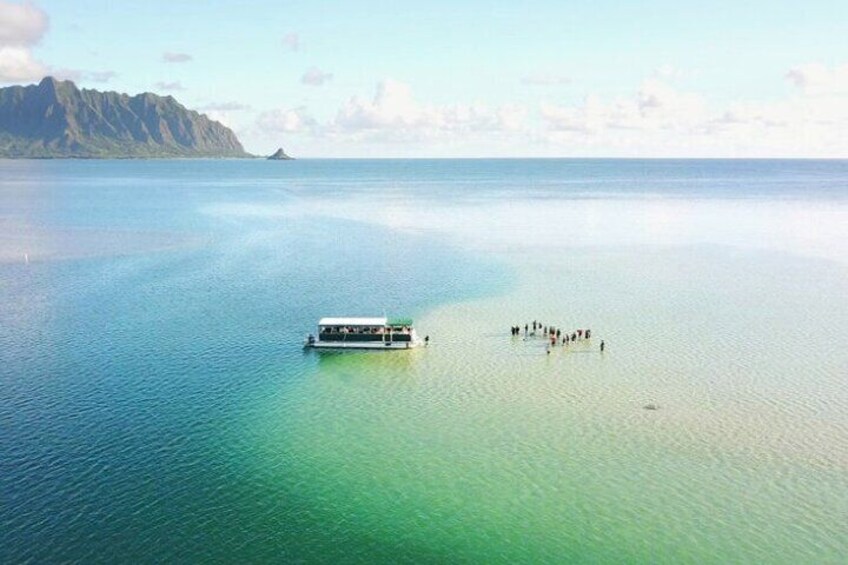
point(484, 447)
point(519, 476)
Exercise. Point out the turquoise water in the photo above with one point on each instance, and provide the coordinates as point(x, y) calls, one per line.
point(156, 404)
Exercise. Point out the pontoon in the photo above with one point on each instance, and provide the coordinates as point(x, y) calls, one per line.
point(364, 333)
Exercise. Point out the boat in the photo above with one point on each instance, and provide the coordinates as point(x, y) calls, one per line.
point(365, 333)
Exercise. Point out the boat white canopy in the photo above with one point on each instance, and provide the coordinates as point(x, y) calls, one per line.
point(352, 321)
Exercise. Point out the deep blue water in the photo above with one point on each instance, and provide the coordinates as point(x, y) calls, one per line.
point(119, 372)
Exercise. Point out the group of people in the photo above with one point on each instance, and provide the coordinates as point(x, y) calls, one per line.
point(552, 334)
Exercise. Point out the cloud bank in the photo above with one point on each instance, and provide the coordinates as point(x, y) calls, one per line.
point(655, 106)
point(394, 113)
point(21, 25)
point(816, 79)
point(657, 118)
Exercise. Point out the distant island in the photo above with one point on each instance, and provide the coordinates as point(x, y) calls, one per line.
point(55, 119)
point(280, 155)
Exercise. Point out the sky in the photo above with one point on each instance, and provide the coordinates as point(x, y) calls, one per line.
point(655, 78)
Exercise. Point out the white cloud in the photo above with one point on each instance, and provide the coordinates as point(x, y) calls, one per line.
point(656, 119)
point(564, 118)
point(752, 114)
point(315, 77)
point(392, 106)
point(170, 57)
point(292, 120)
point(511, 117)
point(655, 106)
point(21, 27)
point(812, 121)
point(227, 113)
point(394, 112)
point(816, 79)
point(393, 122)
point(18, 65)
point(291, 41)
point(660, 120)
point(668, 107)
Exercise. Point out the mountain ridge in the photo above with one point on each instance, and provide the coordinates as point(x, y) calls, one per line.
point(56, 119)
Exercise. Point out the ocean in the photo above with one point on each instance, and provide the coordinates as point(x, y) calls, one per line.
point(156, 404)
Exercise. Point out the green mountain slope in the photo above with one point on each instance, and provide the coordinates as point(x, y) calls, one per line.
point(55, 119)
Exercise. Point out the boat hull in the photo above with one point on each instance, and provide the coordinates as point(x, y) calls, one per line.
point(373, 345)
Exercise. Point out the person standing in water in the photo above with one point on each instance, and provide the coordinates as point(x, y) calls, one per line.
point(602, 346)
